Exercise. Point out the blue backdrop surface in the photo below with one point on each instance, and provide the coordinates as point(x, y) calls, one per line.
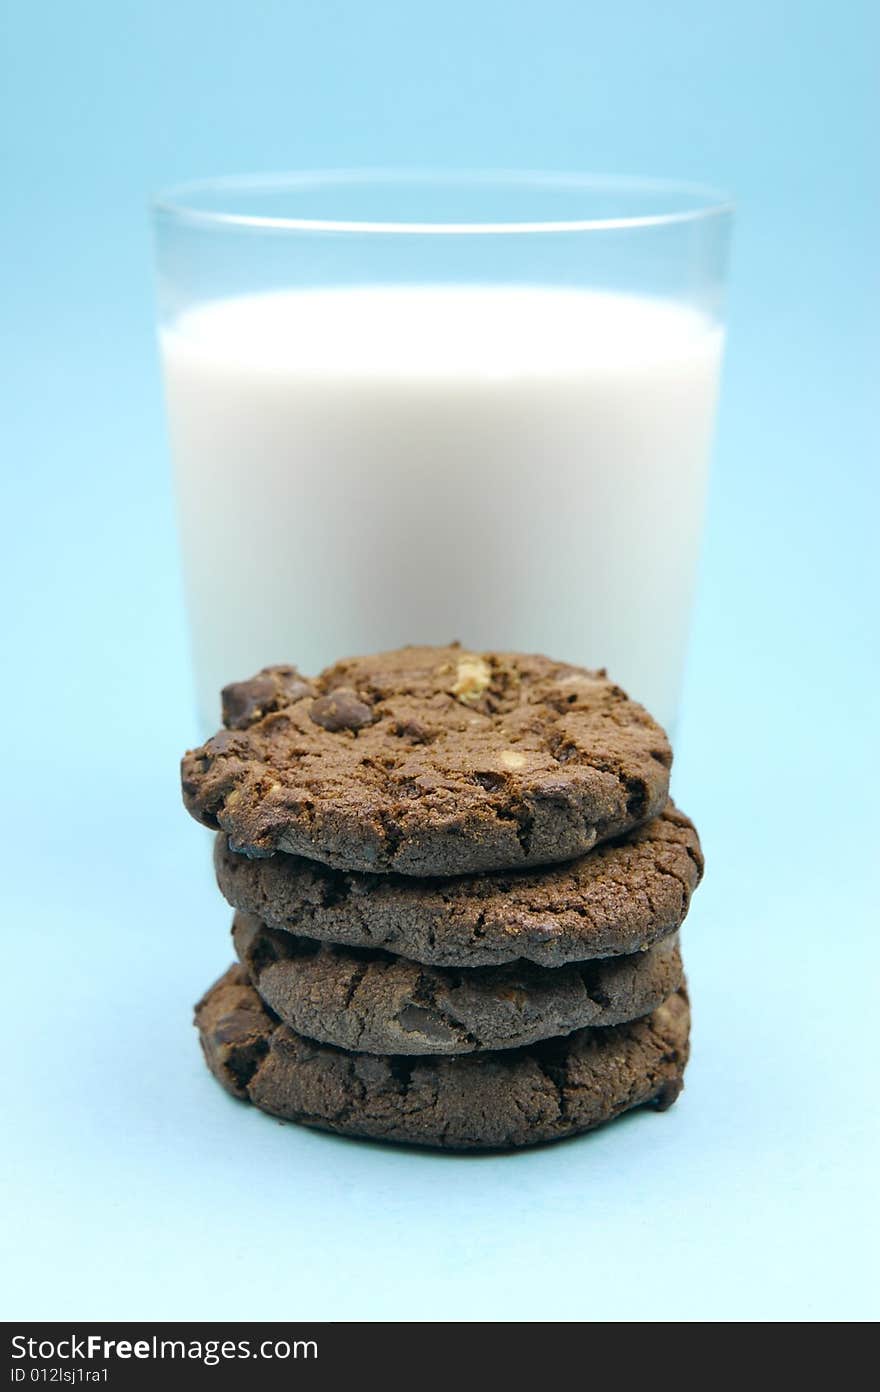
point(135, 1188)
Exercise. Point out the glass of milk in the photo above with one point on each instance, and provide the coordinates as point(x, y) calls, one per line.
point(407, 408)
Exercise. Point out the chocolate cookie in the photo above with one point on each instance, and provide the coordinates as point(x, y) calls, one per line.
point(372, 1002)
point(429, 761)
point(515, 1098)
point(620, 898)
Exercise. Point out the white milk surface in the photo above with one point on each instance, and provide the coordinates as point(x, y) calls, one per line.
point(513, 467)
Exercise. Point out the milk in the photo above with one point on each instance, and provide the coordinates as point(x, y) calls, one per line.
point(515, 467)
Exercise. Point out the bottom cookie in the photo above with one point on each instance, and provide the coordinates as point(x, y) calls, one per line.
point(492, 1100)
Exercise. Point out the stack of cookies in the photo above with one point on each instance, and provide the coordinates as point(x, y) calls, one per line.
point(458, 882)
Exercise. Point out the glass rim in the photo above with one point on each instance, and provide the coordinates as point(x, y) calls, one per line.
point(180, 201)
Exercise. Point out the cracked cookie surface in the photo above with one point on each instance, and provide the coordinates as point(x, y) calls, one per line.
point(622, 897)
point(498, 1100)
point(372, 1002)
point(429, 761)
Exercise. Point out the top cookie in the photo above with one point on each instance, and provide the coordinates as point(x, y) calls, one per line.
point(429, 761)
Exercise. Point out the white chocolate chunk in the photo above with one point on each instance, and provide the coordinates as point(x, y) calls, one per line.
point(471, 679)
point(512, 759)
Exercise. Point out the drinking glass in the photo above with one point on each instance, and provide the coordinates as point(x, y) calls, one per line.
point(416, 407)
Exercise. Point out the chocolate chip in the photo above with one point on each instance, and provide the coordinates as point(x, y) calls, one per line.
point(244, 703)
point(413, 730)
point(341, 710)
point(490, 781)
point(416, 1019)
point(224, 742)
point(290, 685)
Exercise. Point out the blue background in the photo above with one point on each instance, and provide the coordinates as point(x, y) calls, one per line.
point(135, 1187)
